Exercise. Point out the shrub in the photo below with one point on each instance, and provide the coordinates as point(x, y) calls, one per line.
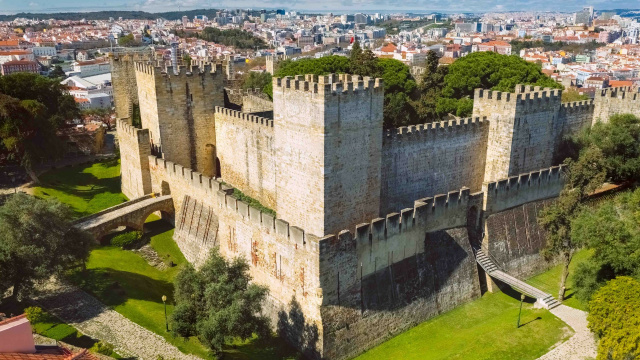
point(127, 240)
point(103, 348)
point(35, 314)
point(615, 318)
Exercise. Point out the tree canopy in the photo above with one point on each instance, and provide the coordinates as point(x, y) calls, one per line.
point(442, 91)
point(619, 141)
point(612, 230)
point(487, 70)
point(230, 37)
point(256, 80)
point(36, 242)
point(32, 108)
point(217, 303)
point(614, 316)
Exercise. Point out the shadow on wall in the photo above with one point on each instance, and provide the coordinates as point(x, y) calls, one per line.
point(423, 275)
point(292, 326)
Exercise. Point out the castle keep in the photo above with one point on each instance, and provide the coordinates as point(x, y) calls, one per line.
point(374, 231)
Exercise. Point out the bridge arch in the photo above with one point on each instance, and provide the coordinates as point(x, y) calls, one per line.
point(131, 214)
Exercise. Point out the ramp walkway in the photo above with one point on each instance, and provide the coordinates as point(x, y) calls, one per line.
point(131, 214)
point(490, 267)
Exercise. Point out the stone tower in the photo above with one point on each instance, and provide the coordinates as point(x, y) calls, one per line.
point(177, 106)
point(123, 78)
point(328, 140)
point(524, 129)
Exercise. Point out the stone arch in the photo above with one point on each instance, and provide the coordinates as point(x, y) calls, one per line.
point(132, 215)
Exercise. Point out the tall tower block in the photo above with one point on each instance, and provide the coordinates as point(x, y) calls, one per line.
point(178, 106)
point(123, 77)
point(328, 140)
point(524, 129)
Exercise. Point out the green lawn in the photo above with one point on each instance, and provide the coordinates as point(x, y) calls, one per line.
point(85, 188)
point(549, 281)
point(123, 279)
point(482, 329)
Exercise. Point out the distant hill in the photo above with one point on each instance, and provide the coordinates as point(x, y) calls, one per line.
point(105, 15)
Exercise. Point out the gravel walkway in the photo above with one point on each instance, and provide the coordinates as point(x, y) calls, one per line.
point(94, 319)
point(582, 345)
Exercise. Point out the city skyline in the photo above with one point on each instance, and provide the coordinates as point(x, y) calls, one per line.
point(8, 7)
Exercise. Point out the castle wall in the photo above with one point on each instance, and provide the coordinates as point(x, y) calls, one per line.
point(576, 116)
point(328, 136)
point(134, 164)
point(425, 160)
point(181, 108)
point(245, 147)
point(536, 130)
point(615, 101)
point(147, 97)
point(284, 258)
point(394, 273)
point(524, 129)
point(513, 237)
point(123, 80)
point(253, 103)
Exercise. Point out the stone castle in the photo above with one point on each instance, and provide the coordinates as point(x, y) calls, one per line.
point(374, 231)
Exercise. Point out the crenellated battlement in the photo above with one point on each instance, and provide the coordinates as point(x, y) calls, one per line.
point(577, 106)
point(240, 92)
point(441, 212)
point(238, 115)
point(517, 190)
point(123, 127)
point(334, 84)
point(439, 128)
point(156, 69)
point(225, 199)
point(620, 91)
point(297, 236)
point(524, 94)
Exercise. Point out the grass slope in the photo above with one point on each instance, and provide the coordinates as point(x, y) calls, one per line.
point(482, 329)
point(85, 188)
point(549, 281)
point(124, 280)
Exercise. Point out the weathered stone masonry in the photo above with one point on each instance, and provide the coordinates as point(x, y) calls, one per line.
point(325, 165)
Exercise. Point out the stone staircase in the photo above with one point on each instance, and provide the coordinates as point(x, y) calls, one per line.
point(546, 300)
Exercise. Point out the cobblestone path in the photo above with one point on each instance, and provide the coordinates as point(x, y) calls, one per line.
point(582, 345)
point(94, 319)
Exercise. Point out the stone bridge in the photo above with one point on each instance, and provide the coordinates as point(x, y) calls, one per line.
point(131, 214)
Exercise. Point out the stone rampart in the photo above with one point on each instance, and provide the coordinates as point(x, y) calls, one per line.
point(282, 257)
point(430, 159)
point(123, 79)
point(328, 141)
point(620, 100)
point(134, 165)
point(254, 103)
point(576, 116)
point(518, 190)
point(182, 100)
point(393, 273)
point(245, 148)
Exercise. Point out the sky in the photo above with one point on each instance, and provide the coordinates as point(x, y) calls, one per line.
point(352, 6)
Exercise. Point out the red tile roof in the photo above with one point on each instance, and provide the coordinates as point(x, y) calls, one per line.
point(389, 48)
point(50, 353)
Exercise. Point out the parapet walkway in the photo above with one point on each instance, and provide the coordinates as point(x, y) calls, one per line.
point(546, 300)
point(131, 214)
